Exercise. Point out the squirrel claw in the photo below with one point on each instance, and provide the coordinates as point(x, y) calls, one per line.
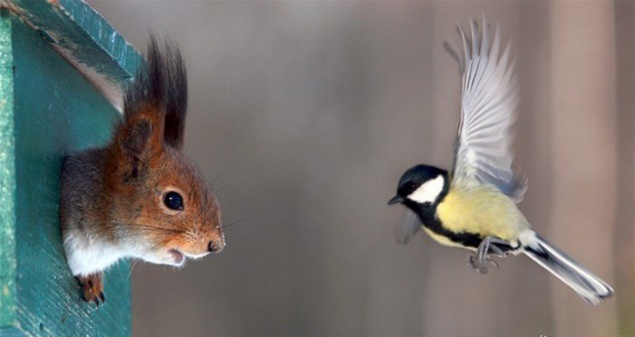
point(92, 289)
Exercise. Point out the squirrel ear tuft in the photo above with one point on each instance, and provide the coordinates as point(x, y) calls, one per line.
point(176, 105)
point(160, 87)
point(136, 137)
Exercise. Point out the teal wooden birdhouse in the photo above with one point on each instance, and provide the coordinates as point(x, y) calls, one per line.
point(49, 108)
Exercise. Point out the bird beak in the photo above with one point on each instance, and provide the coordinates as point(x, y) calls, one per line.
point(395, 200)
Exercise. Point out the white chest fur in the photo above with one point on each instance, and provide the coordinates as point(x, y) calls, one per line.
point(86, 257)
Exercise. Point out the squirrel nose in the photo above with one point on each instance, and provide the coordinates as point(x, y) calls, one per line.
point(216, 246)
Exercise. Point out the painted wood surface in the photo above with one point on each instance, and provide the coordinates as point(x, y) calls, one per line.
point(48, 109)
point(81, 34)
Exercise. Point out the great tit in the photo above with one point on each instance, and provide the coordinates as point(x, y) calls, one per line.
point(474, 205)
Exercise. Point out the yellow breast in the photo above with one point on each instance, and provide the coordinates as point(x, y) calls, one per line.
point(481, 210)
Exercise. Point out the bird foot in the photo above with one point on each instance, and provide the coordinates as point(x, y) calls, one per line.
point(481, 258)
point(480, 265)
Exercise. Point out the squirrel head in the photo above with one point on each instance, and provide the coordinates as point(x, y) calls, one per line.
point(166, 210)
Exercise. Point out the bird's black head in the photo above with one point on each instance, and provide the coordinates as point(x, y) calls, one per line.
point(421, 184)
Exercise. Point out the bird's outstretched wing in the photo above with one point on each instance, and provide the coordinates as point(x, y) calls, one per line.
point(488, 111)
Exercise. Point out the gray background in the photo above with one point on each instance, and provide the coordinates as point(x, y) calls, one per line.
point(305, 114)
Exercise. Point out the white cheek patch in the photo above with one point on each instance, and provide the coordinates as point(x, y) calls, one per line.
point(428, 191)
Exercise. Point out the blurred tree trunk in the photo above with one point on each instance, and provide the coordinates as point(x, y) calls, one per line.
point(584, 155)
point(533, 154)
point(624, 249)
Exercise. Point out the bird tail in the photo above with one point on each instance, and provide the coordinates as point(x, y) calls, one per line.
point(590, 287)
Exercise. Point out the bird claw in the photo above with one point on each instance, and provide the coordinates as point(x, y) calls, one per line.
point(481, 258)
point(480, 265)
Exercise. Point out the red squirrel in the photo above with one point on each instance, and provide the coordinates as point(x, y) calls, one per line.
point(139, 197)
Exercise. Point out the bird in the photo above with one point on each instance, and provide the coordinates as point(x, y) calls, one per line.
point(474, 206)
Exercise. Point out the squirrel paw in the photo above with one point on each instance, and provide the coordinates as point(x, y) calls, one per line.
point(92, 288)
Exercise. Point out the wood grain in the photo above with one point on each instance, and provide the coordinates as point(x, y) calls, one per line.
point(48, 109)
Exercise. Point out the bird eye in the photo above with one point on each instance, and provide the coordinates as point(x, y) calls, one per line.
point(173, 200)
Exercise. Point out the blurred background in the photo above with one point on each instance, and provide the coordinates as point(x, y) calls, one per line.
point(305, 114)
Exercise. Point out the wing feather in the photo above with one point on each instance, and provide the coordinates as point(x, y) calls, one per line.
point(488, 111)
point(407, 227)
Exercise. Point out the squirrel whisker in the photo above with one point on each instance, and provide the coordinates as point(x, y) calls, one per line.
point(235, 222)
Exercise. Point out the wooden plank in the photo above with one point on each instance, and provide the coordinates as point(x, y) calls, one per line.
point(84, 38)
point(7, 178)
point(48, 109)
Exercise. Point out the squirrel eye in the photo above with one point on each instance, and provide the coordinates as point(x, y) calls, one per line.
point(173, 200)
